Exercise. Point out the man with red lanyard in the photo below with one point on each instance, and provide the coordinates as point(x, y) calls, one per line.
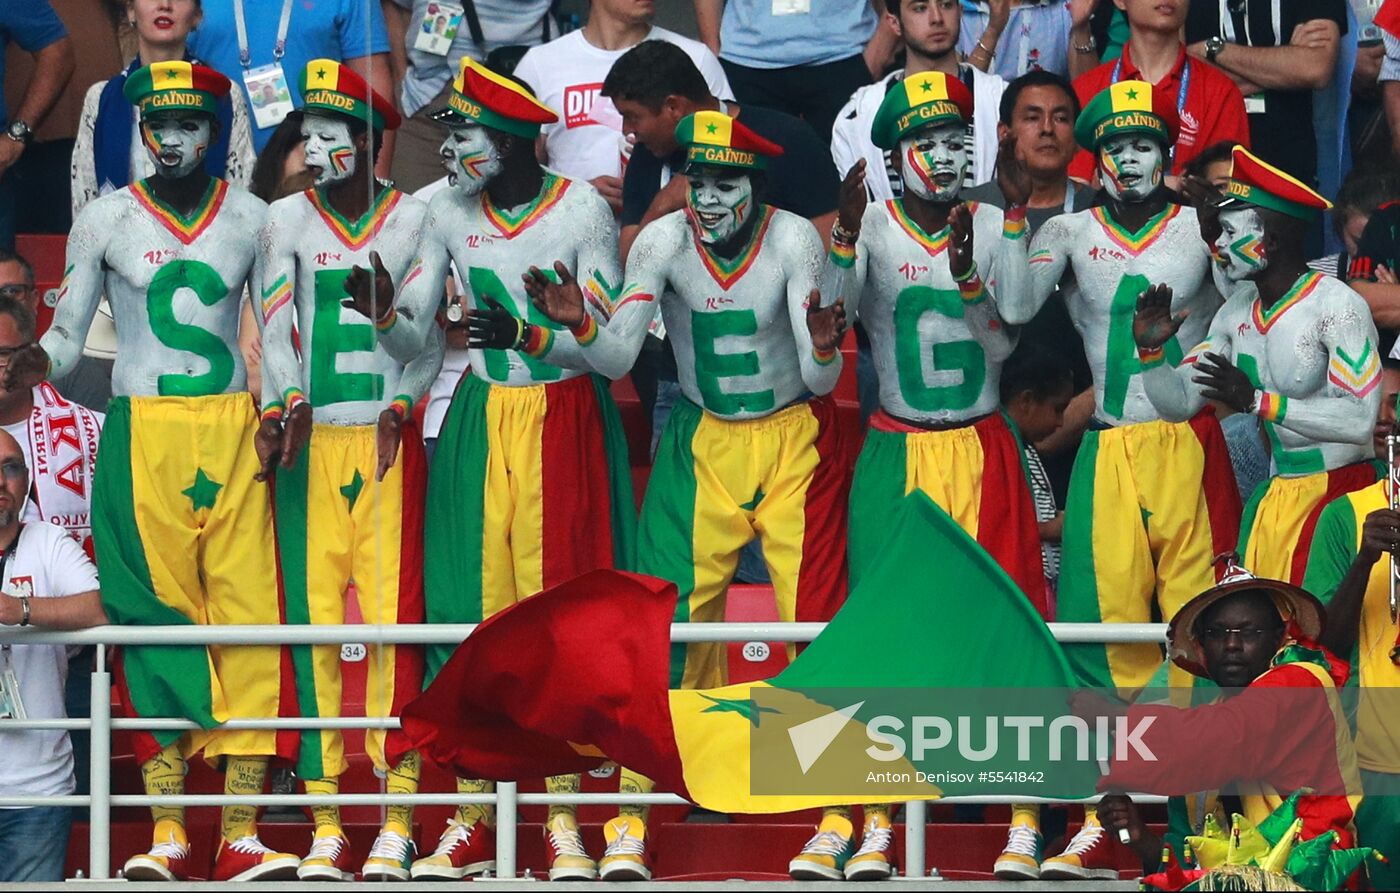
point(1207, 102)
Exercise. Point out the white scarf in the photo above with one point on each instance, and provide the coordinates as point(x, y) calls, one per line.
point(62, 455)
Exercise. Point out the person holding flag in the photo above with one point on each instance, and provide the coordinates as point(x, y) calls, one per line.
point(1298, 350)
point(348, 460)
point(753, 450)
point(182, 530)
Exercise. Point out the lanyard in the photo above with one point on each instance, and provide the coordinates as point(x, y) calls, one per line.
point(245, 56)
point(1227, 22)
point(1180, 92)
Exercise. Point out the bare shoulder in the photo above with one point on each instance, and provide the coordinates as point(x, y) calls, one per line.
point(245, 206)
point(793, 229)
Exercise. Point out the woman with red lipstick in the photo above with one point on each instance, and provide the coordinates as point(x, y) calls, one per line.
point(107, 154)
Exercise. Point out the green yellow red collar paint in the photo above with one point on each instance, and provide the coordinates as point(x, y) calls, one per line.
point(184, 227)
point(353, 234)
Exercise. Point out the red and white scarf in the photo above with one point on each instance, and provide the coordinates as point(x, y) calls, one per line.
point(62, 454)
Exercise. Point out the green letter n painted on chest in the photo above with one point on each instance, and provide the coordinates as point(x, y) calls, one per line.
point(712, 367)
point(485, 283)
point(965, 356)
point(208, 286)
point(330, 337)
point(1121, 360)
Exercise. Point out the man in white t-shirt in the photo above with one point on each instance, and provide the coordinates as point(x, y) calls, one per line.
point(45, 580)
point(567, 75)
point(929, 34)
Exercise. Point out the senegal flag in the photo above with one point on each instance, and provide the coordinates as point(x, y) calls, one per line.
point(920, 687)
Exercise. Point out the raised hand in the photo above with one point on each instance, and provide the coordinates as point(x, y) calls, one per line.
point(1154, 323)
point(1202, 196)
point(1013, 177)
point(853, 199)
point(826, 325)
point(960, 251)
point(387, 440)
point(369, 292)
point(1222, 380)
point(561, 301)
point(495, 328)
point(27, 367)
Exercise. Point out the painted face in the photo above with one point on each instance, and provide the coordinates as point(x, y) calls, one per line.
point(719, 204)
point(177, 142)
point(330, 149)
point(470, 158)
point(1130, 165)
point(1239, 252)
point(935, 162)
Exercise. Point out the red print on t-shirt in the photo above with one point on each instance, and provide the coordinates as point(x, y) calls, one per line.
point(578, 104)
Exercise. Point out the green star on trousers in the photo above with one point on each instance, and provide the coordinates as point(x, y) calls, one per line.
point(203, 491)
point(745, 707)
point(351, 491)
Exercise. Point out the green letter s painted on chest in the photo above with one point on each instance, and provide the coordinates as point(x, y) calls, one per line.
point(964, 356)
point(208, 286)
point(330, 337)
point(712, 367)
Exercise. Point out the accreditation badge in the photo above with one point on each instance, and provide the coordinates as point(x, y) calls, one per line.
point(438, 28)
point(269, 96)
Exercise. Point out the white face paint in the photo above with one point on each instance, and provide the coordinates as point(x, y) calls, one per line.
point(177, 143)
point(720, 204)
point(329, 147)
point(1239, 252)
point(470, 158)
point(935, 162)
point(1130, 165)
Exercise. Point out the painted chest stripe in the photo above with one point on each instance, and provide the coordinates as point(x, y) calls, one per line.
point(184, 228)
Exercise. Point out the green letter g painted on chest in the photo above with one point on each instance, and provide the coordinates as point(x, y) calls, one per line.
point(208, 286)
point(711, 367)
point(964, 356)
point(331, 337)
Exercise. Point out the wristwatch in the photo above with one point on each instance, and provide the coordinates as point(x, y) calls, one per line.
point(1213, 47)
point(20, 132)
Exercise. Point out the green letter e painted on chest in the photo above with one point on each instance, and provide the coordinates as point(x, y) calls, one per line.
point(330, 337)
point(711, 367)
point(208, 286)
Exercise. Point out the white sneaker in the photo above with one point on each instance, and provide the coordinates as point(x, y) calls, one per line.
point(327, 860)
point(872, 861)
point(1020, 860)
point(391, 857)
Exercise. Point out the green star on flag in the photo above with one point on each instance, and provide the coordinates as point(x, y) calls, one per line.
point(745, 707)
point(711, 127)
point(203, 491)
point(1132, 94)
point(351, 491)
point(927, 85)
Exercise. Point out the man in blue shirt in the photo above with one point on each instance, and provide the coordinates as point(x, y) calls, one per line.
point(349, 31)
point(36, 29)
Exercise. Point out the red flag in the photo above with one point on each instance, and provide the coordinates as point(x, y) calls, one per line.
point(1388, 18)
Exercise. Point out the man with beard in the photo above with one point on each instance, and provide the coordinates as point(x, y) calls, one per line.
point(342, 491)
point(914, 270)
point(1294, 347)
point(532, 449)
point(749, 452)
point(182, 530)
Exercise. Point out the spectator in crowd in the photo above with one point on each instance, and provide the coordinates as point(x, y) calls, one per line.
point(795, 56)
point(91, 382)
point(1012, 39)
point(928, 33)
point(1363, 192)
point(1212, 165)
point(17, 279)
point(1387, 23)
point(1373, 268)
point(48, 582)
point(108, 153)
point(425, 64)
point(587, 142)
point(1349, 567)
point(280, 40)
point(1277, 53)
point(1210, 107)
point(35, 28)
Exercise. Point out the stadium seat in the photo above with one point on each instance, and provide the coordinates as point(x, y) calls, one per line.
point(45, 253)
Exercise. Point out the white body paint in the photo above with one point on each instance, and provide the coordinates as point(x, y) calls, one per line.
point(935, 161)
point(1320, 353)
point(1130, 166)
point(329, 148)
point(119, 248)
point(721, 205)
point(177, 143)
point(1110, 277)
point(742, 351)
point(347, 376)
point(470, 158)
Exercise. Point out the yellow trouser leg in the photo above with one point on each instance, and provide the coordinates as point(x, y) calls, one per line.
point(243, 775)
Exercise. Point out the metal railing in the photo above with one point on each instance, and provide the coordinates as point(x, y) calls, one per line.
point(506, 797)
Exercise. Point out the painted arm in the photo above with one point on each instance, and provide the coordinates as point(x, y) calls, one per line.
point(979, 312)
point(821, 366)
point(84, 168)
point(419, 375)
point(1344, 409)
point(1041, 271)
point(276, 281)
point(80, 291)
point(405, 330)
point(1173, 390)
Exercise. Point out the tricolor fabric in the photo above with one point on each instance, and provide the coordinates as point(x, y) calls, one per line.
point(175, 87)
point(1126, 107)
point(184, 536)
point(1150, 506)
point(328, 86)
point(336, 524)
point(926, 99)
point(975, 473)
point(1277, 528)
point(481, 96)
point(551, 684)
point(1253, 181)
point(716, 485)
point(714, 139)
point(529, 487)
